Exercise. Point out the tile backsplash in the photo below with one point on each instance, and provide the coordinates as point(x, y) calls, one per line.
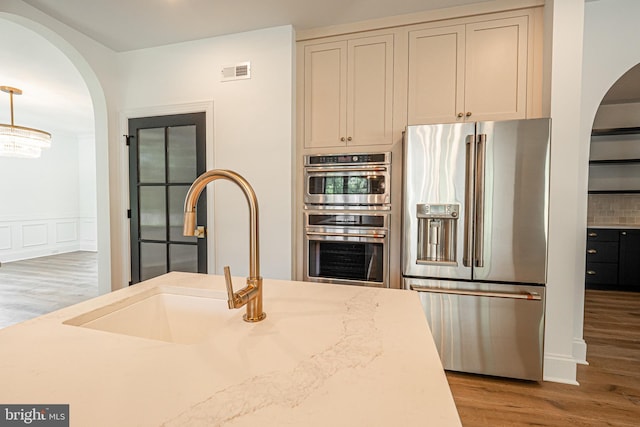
point(613, 209)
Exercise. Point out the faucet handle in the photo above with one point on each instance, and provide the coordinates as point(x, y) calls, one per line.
point(230, 294)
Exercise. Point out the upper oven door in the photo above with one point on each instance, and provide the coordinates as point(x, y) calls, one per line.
point(347, 186)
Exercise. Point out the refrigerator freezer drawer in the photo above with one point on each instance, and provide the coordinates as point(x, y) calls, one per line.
point(490, 329)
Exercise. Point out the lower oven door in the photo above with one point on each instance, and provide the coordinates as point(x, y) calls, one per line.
point(344, 258)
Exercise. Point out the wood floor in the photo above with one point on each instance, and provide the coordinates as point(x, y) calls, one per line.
point(609, 390)
point(38, 286)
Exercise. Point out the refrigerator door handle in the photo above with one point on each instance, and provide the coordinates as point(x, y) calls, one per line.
point(470, 160)
point(533, 296)
point(479, 206)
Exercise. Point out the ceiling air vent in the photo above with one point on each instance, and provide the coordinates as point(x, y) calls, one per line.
point(236, 72)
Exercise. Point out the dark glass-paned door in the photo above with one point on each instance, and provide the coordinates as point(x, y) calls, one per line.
point(166, 154)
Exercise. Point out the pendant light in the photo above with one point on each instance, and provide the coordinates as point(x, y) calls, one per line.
point(20, 141)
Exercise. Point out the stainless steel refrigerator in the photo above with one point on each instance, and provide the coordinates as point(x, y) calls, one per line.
point(475, 223)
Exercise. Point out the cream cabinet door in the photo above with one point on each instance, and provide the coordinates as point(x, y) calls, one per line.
point(436, 75)
point(496, 69)
point(370, 90)
point(348, 92)
point(325, 94)
point(468, 72)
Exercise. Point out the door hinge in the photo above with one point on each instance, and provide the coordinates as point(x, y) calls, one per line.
point(127, 139)
point(129, 213)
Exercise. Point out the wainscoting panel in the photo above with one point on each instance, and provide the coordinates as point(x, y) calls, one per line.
point(5, 237)
point(88, 233)
point(66, 231)
point(32, 237)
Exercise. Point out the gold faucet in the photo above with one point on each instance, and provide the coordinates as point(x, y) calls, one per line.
point(250, 295)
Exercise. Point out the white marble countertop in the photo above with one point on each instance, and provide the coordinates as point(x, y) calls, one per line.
point(326, 355)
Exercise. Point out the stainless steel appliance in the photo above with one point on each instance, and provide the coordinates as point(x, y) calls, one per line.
point(475, 215)
point(346, 235)
point(347, 181)
point(347, 248)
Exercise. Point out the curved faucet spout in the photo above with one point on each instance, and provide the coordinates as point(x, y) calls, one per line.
point(251, 295)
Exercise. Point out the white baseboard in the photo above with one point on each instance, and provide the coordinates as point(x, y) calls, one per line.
point(580, 351)
point(40, 252)
point(560, 369)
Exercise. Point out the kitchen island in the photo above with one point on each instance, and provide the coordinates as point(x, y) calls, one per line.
point(325, 355)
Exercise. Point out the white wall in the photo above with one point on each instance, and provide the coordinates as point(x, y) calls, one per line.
point(608, 51)
point(259, 116)
point(87, 212)
point(611, 38)
point(564, 57)
point(252, 132)
point(617, 116)
point(41, 203)
point(97, 66)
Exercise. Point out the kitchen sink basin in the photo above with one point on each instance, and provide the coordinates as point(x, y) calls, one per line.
point(171, 314)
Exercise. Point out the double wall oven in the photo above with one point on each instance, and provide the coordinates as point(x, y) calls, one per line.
point(346, 214)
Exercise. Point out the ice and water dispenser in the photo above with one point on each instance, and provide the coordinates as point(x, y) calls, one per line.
point(437, 232)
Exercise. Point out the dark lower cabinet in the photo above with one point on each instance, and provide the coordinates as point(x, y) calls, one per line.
point(602, 258)
point(613, 259)
point(629, 259)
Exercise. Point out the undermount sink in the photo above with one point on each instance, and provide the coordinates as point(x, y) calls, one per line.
point(171, 314)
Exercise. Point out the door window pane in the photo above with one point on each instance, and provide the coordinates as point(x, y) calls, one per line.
point(151, 155)
point(184, 258)
point(181, 149)
point(153, 214)
point(153, 260)
point(177, 194)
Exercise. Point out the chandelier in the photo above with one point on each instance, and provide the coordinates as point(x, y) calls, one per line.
point(20, 141)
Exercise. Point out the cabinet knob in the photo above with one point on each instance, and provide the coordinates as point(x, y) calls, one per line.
point(349, 139)
point(468, 114)
point(342, 139)
point(624, 233)
point(592, 234)
point(591, 251)
point(591, 272)
point(460, 114)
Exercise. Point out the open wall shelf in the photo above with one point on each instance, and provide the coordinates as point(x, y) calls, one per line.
point(604, 172)
point(615, 131)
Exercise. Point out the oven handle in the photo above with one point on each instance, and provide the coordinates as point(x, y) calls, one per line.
point(372, 238)
point(348, 169)
point(512, 295)
point(325, 233)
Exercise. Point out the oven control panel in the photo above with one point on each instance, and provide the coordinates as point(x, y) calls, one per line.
point(347, 159)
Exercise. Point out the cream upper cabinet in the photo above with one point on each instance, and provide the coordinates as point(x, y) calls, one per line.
point(436, 74)
point(348, 92)
point(475, 71)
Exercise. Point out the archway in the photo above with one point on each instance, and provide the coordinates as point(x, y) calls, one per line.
point(100, 135)
point(614, 173)
point(608, 35)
